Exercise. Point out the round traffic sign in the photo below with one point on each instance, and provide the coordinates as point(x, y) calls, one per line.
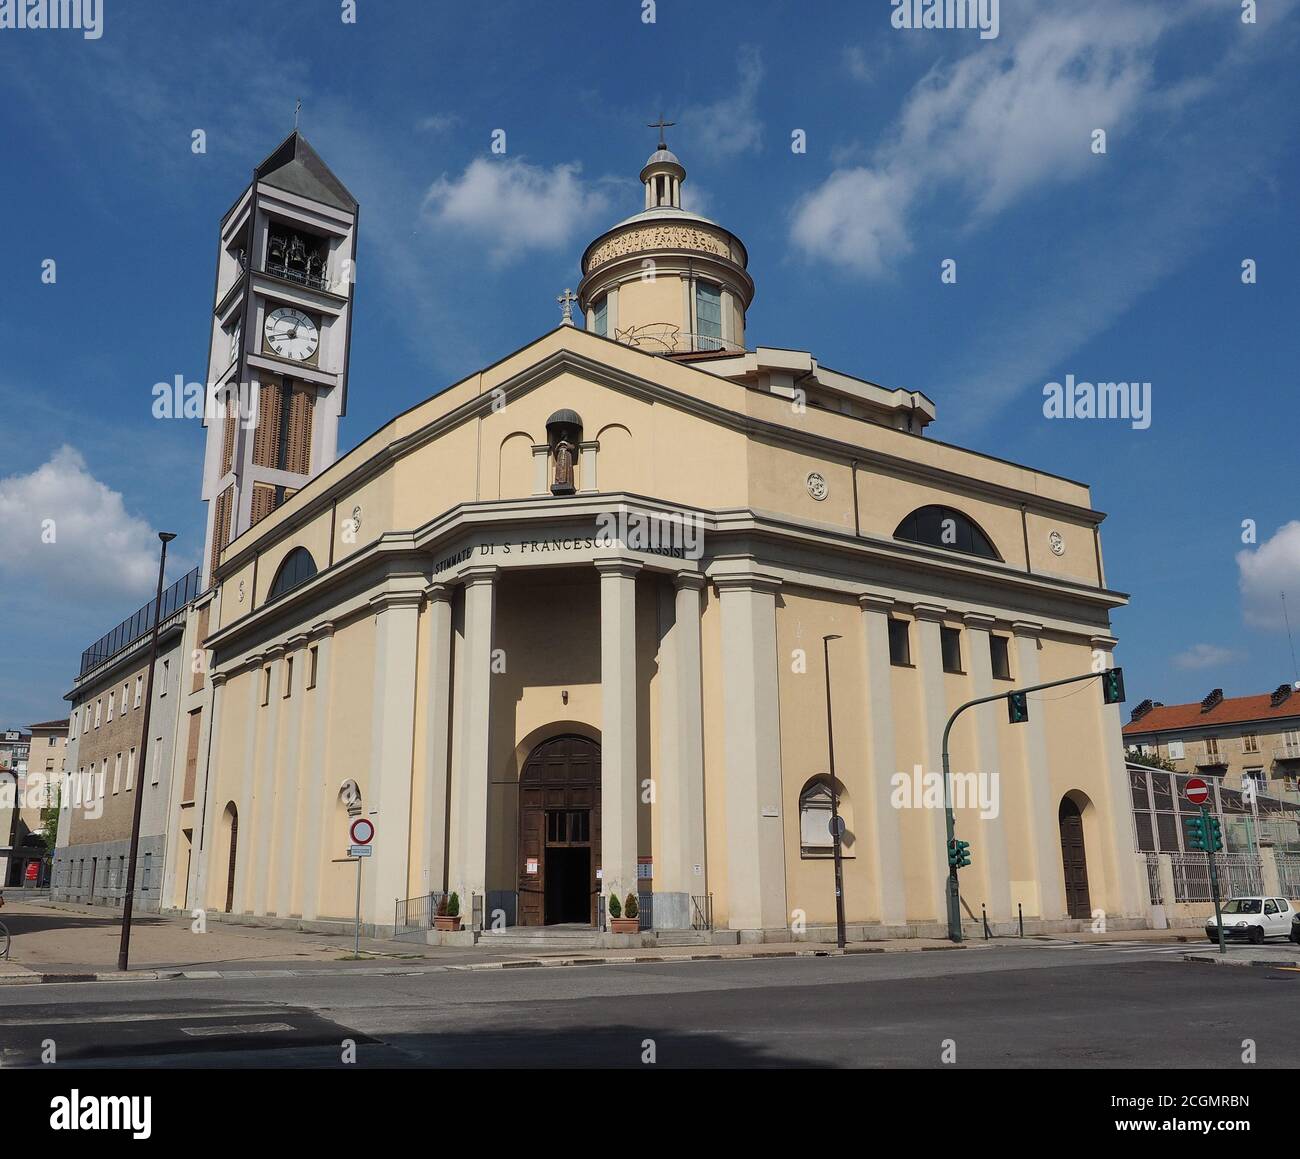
point(836, 826)
point(363, 831)
point(1196, 791)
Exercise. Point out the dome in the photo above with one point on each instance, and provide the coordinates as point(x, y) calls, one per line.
point(661, 156)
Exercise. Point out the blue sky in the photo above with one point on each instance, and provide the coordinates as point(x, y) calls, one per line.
point(921, 146)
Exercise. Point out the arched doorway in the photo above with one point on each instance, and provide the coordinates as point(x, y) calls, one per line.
point(1074, 859)
point(559, 832)
point(231, 825)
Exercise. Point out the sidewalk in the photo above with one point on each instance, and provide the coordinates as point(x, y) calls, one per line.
point(62, 942)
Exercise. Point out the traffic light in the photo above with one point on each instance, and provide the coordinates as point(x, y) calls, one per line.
point(1216, 836)
point(1196, 833)
point(1017, 707)
point(1112, 686)
point(958, 854)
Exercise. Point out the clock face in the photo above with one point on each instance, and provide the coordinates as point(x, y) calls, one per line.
point(291, 334)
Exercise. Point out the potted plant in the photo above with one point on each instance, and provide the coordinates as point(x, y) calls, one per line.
point(448, 915)
point(624, 919)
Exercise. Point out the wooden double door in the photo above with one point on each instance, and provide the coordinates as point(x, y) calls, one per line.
point(559, 832)
point(1074, 860)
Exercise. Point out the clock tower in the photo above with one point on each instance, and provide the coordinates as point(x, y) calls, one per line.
point(278, 358)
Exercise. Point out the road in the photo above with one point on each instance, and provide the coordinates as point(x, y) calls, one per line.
point(1026, 1006)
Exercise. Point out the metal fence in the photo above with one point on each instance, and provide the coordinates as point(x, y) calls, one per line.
point(702, 912)
point(412, 916)
point(130, 630)
point(1154, 890)
point(645, 904)
point(1288, 873)
point(1239, 873)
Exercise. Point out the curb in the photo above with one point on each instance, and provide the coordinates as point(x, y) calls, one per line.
point(406, 971)
point(1223, 960)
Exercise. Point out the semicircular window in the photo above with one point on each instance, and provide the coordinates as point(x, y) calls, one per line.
point(298, 567)
point(948, 528)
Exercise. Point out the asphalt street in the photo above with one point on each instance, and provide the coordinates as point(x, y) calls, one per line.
point(1039, 1005)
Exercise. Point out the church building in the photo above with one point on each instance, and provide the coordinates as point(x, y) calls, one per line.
point(561, 632)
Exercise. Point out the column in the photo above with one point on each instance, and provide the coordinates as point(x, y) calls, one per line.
point(934, 715)
point(437, 735)
point(618, 771)
point(392, 741)
point(990, 844)
point(680, 799)
point(541, 459)
point(205, 796)
point(256, 854)
point(587, 464)
point(756, 896)
point(467, 869)
point(316, 846)
point(1045, 834)
point(1129, 890)
point(246, 802)
point(289, 780)
point(884, 841)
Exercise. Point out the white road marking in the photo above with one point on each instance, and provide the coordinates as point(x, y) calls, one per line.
point(238, 1028)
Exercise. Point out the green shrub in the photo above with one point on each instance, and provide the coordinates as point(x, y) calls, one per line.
point(630, 907)
point(615, 910)
point(453, 906)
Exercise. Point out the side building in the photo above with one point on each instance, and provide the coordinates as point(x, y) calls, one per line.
point(104, 769)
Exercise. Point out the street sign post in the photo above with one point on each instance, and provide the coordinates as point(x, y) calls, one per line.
point(362, 832)
point(1202, 832)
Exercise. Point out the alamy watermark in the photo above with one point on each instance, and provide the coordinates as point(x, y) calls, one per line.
point(56, 15)
point(974, 14)
point(1098, 400)
point(676, 534)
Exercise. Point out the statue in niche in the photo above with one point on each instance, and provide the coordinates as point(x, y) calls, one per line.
point(563, 452)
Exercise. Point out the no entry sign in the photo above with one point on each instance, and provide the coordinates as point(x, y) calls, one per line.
point(1196, 791)
point(363, 831)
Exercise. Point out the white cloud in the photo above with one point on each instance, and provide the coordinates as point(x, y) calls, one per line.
point(1205, 656)
point(1014, 115)
point(438, 122)
point(1272, 568)
point(730, 126)
point(97, 547)
point(514, 207)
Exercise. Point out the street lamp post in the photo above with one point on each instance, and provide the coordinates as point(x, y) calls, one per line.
point(124, 947)
point(835, 800)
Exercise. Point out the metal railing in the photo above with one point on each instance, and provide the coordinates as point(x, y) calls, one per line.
point(1208, 760)
point(1239, 874)
point(1288, 873)
point(412, 916)
point(313, 281)
point(702, 912)
point(132, 629)
point(1154, 890)
point(1286, 752)
point(645, 904)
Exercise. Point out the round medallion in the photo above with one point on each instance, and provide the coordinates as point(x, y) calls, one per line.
point(1056, 541)
point(817, 487)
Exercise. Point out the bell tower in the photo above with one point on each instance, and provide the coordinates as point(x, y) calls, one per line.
point(278, 356)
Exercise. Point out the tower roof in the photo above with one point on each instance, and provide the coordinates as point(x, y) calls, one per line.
point(296, 167)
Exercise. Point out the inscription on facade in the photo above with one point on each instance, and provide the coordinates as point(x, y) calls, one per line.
point(661, 237)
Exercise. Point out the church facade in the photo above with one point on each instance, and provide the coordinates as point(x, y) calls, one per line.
point(562, 631)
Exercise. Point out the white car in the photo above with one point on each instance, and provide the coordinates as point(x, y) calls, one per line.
point(1254, 918)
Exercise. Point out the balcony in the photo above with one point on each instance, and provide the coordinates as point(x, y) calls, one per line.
point(174, 599)
point(311, 281)
point(1207, 760)
point(1287, 752)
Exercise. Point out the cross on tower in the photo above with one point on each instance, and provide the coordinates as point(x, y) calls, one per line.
point(566, 301)
point(661, 125)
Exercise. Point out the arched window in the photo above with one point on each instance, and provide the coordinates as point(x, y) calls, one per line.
point(948, 528)
point(298, 567)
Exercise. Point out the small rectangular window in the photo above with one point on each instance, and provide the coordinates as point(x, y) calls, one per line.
point(166, 671)
point(1000, 656)
point(139, 690)
point(99, 710)
point(600, 318)
point(266, 686)
point(950, 643)
point(313, 662)
point(288, 676)
point(157, 755)
point(126, 694)
point(1175, 748)
point(708, 315)
point(900, 644)
point(1250, 742)
point(130, 770)
point(109, 718)
point(117, 773)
